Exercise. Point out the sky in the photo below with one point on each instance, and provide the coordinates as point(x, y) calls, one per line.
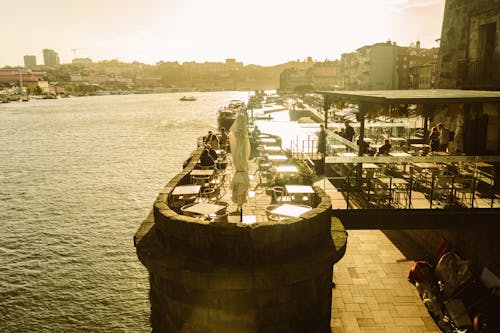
point(262, 32)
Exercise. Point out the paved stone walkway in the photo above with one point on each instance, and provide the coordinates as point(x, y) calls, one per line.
point(372, 293)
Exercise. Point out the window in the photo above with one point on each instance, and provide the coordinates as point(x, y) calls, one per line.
point(487, 41)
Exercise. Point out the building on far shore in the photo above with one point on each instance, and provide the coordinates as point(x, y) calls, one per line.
point(50, 58)
point(81, 61)
point(29, 61)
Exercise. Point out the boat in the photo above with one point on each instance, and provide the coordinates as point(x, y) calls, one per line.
point(187, 98)
point(264, 117)
point(227, 114)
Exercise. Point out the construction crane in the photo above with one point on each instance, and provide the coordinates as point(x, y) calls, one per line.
point(74, 51)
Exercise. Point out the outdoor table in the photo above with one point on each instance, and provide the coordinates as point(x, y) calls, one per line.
point(398, 142)
point(186, 190)
point(268, 140)
point(277, 158)
point(425, 148)
point(399, 154)
point(203, 208)
point(392, 181)
point(420, 145)
point(480, 165)
point(287, 169)
point(299, 189)
point(202, 172)
point(370, 166)
point(289, 210)
point(272, 149)
point(426, 165)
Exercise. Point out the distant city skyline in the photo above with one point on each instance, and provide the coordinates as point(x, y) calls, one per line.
point(257, 32)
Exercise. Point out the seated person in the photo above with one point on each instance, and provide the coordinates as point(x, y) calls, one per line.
point(385, 148)
point(211, 152)
point(256, 132)
point(224, 138)
point(206, 159)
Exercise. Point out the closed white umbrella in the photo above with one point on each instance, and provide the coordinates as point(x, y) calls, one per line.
point(240, 150)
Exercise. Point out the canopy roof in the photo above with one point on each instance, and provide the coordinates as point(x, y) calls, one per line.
point(416, 96)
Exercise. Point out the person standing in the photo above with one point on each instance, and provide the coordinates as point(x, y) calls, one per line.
point(322, 140)
point(224, 139)
point(444, 137)
point(434, 139)
point(349, 131)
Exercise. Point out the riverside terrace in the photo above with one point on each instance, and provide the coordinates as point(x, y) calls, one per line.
point(213, 269)
point(452, 189)
point(188, 287)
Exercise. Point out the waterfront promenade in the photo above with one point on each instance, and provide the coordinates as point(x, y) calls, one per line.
point(372, 293)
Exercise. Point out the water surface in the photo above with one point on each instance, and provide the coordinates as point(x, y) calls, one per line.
point(77, 177)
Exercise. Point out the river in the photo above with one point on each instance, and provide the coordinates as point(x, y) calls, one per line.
point(77, 177)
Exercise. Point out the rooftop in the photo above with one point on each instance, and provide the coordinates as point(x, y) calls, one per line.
point(416, 96)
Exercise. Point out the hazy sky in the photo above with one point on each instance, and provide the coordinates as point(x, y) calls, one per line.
point(264, 32)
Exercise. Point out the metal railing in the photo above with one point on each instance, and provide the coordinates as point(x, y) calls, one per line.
point(451, 177)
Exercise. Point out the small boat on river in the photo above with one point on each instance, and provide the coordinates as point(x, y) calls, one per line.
point(187, 98)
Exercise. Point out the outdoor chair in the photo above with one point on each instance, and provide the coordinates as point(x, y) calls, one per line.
point(209, 194)
point(264, 171)
point(219, 217)
point(200, 180)
point(464, 187)
point(221, 203)
point(442, 189)
point(279, 195)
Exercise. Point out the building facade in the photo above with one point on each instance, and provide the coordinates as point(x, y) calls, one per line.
point(470, 50)
point(371, 67)
point(50, 58)
point(29, 61)
point(292, 78)
point(327, 75)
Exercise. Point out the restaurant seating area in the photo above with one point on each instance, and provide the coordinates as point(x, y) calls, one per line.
point(406, 185)
point(205, 193)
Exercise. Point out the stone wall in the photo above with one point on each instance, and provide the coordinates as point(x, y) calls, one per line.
point(460, 37)
point(477, 244)
point(225, 277)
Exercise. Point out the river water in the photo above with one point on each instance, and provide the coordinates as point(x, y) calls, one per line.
point(77, 177)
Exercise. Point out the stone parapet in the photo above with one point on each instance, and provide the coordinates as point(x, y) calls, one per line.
point(231, 277)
